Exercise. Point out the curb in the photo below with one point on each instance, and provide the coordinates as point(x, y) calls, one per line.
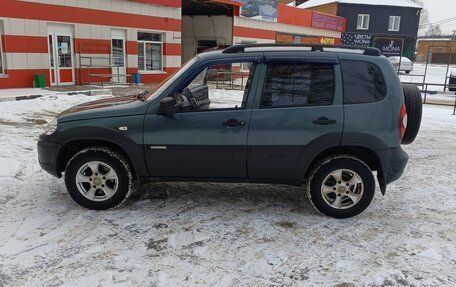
point(69, 93)
point(19, 98)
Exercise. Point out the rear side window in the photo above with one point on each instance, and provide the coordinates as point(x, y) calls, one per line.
point(298, 84)
point(363, 82)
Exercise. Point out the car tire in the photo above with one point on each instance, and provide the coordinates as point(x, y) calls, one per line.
point(341, 186)
point(407, 72)
point(98, 178)
point(414, 107)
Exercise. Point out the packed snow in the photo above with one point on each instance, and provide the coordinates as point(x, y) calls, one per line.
point(435, 74)
point(206, 234)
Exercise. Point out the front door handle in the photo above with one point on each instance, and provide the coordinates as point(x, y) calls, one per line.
point(231, 123)
point(324, 121)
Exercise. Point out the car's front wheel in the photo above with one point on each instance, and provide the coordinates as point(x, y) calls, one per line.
point(341, 187)
point(98, 178)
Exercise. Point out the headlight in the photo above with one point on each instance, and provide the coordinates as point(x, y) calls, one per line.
point(51, 127)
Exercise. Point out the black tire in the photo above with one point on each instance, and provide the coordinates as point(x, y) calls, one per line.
point(363, 187)
point(414, 106)
point(106, 160)
point(407, 72)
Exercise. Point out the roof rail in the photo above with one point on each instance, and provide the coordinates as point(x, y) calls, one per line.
point(370, 51)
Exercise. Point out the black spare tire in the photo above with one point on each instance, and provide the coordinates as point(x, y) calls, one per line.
point(414, 107)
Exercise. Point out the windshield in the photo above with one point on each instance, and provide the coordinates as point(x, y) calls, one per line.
point(171, 78)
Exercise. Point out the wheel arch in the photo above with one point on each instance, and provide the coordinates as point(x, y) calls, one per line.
point(73, 147)
point(367, 155)
point(77, 139)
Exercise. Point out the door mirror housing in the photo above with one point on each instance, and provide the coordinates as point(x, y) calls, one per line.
point(167, 107)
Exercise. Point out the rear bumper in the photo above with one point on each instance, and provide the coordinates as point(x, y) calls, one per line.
point(393, 163)
point(47, 156)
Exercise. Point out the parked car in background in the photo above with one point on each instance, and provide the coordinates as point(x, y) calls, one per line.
point(406, 64)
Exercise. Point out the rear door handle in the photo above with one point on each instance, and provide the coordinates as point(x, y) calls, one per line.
point(324, 121)
point(231, 123)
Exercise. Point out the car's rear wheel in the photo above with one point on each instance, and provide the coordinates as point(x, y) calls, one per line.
point(414, 107)
point(341, 187)
point(98, 178)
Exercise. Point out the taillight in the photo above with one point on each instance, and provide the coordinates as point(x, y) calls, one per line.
point(403, 121)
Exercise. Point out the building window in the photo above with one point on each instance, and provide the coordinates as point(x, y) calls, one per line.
point(363, 21)
point(2, 59)
point(150, 51)
point(394, 23)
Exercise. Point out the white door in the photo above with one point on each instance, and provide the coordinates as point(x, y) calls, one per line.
point(61, 55)
point(118, 63)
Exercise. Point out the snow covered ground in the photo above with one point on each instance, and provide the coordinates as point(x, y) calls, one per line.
point(435, 75)
point(204, 234)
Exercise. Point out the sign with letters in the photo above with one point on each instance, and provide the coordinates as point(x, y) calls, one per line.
point(305, 39)
point(389, 46)
point(327, 22)
point(265, 10)
point(356, 39)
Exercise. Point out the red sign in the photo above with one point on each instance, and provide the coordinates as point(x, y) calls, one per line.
point(328, 22)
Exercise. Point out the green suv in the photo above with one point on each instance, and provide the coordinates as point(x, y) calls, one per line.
point(319, 117)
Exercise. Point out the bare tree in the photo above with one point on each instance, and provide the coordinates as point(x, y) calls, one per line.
point(434, 30)
point(424, 18)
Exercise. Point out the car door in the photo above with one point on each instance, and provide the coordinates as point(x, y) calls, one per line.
point(207, 141)
point(298, 113)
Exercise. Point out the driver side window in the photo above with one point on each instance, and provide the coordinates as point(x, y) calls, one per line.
point(219, 86)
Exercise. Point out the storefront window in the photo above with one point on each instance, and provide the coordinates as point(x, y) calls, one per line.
point(64, 50)
point(2, 61)
point(51, 51)
point(150, 52)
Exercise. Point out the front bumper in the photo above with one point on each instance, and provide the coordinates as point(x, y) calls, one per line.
point(47, 156)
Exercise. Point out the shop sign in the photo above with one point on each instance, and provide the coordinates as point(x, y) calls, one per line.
point(389, 46)
point(305, 39)
point(328, 41)
point(356, 39)
point(259, 9)
point(327, 22)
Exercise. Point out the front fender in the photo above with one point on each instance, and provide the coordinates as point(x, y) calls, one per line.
point(129, 141)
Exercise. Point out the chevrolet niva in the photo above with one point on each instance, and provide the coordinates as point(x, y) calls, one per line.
point(314, 116)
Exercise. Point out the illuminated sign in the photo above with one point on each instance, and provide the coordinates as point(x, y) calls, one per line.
point(306, 39)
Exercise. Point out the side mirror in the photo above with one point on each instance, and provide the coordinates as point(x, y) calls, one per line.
point(167, 107)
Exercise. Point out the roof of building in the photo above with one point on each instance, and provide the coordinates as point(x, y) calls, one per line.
point(397, 3)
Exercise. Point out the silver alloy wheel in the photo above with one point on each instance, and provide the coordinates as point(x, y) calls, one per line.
point(342, 189)
point(97, 181)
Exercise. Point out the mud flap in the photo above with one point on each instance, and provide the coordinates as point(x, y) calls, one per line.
point(381, 182)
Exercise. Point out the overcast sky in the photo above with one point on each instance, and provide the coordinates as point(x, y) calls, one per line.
point(441, 10)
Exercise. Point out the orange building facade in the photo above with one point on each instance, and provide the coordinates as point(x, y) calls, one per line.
point(75, 42)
